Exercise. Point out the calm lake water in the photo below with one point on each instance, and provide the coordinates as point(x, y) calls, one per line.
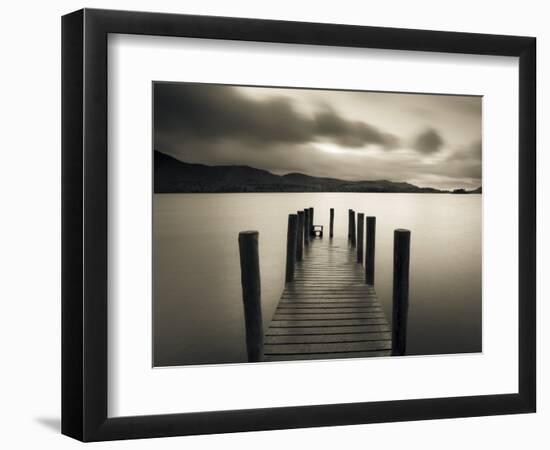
point(198, 312)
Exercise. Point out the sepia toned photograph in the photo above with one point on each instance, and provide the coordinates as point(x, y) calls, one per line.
point(296, 224)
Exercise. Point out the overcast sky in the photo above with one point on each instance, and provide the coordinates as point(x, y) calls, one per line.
point(427, 140)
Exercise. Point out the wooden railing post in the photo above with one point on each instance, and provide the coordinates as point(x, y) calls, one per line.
point(311, 232)
point(353, 230)
point(300, 237)
point(291, 238)
point(360, 231)
point(252, 298)
point(401, 259)
point(370, 251)
point(306, 226)
point(331, 230)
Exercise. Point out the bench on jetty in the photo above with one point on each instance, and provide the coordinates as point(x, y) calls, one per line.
point(318, 231)
point(328, 308)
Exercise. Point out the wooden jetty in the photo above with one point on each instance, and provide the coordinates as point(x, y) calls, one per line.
point(329, 307)
point(327, 311)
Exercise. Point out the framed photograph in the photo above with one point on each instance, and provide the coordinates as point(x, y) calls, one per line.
point(273, 224)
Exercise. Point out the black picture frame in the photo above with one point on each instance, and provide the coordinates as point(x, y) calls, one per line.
point(84, 224)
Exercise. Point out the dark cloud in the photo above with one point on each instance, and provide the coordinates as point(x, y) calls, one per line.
point(212, 112)
point(351, 133)
point(429, 141)
point(285, 130)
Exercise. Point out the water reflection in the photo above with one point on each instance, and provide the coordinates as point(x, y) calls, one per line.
point(198, 313)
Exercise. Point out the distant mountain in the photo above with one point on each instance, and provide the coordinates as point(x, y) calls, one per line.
point(173, 175)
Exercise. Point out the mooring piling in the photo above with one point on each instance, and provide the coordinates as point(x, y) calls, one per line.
point(360, 232)
point(300, 237)
point(306, 226)
point(252, 299)
point(291, 238)
point(401, 261)
point(331, 230)
point(370, 250)
point(353, 230)
point(311, 223)
point(350, 211)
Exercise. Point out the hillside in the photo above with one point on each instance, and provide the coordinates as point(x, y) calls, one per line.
point(172, 175)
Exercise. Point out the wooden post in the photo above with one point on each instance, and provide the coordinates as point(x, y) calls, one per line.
point(401, 258)
point(353, 231)
point(360, 231)
point(291, 238)
point(252, 298)
point(371, 244)
point(349, 223)
point(306, 226)
point(331, 231)
point(311, 232)
point(300, 237)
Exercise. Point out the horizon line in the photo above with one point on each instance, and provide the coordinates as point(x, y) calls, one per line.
point(311, 176)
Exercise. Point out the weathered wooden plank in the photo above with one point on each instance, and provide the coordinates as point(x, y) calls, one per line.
point(334, 307)
point(305, 331)
point(308, 266)
point(327, 310)
point(328, 290)
point(324, 347)
point(344, 269)
point(330, 298)
point(327, 281)
point(330, 283)
point(321, 356)
point(336, 263)
point(328, 316)
point(323, 293)
point(328, 278)
point(327, 255)
point(326, 272)
point(325, 323)
point(322, 304)
point(320, 288)
point(329, 274)
point(328, 338)
point(342, 293)
point(350, 302)
point(324, 283)
point(329, 259)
